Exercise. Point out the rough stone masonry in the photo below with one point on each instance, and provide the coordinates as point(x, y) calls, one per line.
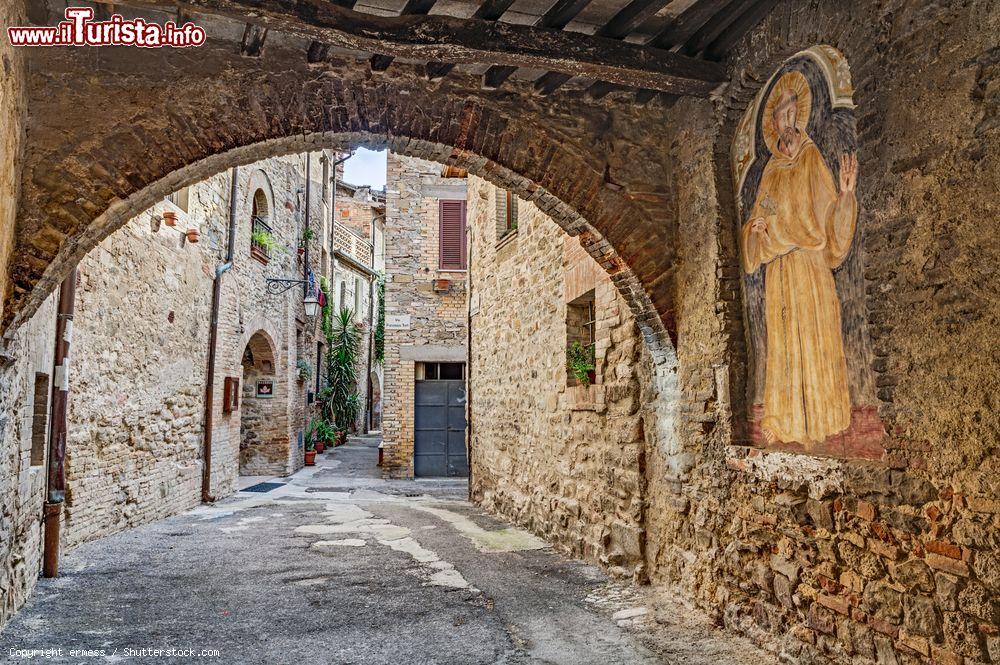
point(829, 560)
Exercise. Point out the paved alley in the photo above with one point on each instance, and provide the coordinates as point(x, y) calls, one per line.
point(335, 565)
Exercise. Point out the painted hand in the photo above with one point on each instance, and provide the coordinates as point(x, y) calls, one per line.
point(848, 172)
point(758, 226)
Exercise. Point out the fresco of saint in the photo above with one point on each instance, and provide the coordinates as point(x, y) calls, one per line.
point(800, 229)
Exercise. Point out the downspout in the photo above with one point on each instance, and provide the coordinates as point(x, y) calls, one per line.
point(56, 493)
point(468, 358)
point(213, 337)
point(305, 245)
point(371, 333)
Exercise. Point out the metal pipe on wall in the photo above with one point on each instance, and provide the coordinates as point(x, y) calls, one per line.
point(56, 492)
point(372, 289)
point(213, 337)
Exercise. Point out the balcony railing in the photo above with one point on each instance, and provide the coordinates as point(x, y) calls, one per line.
point(258, 249)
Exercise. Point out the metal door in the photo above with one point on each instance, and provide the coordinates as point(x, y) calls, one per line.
point(439, 429)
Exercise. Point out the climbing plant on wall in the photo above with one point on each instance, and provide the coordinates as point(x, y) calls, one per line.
point(380, 322)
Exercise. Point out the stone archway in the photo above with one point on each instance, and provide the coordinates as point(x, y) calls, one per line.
point(263, 442)
point(594, 168)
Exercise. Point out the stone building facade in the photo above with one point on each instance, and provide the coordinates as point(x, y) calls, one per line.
point(358, 243)
point(836, 560)
point(137, 410)
point(553, 454)
point(425, 295)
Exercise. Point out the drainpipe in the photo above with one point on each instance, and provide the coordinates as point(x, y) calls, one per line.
point(371, 333)
point(56, 493)
point(305, 253)
point(468, 357)
point(213, 337)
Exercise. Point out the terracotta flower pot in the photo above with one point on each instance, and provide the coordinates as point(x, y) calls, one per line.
point(310, 458)
point(320, 446)
point(302, 250)
point(192, 235)
point(592, 376)
point(170, 218)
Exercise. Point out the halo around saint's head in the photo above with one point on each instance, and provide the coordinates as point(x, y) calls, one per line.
point(797, 83)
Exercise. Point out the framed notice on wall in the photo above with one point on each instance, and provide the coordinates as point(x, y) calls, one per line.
point(265, 388)
point(230, 394)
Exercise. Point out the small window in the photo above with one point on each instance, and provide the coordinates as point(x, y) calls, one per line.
point(261, 238)
point(358, 291)
point(581, 328)
point(181, 198)
point(506, 214)
point(326, 179)
point(343, 295)
point(39, 418)
point(439, 372)
point(451, 232)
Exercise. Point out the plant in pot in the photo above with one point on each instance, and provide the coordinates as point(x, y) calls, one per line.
point(264, 241)
point(303, 369)
point(325, 435)
point(307, 235)
point(310, 453)
point(580, 362)
point(170, 218)
point(341, 403)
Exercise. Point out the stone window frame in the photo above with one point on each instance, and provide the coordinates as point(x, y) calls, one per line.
point(507, 216)
point(39, 415)
point(181, 199)
point(582, 307)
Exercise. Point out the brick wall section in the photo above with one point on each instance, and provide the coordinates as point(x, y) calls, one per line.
point(566, 462)
point(592, 167)
point(136, 412)
point(437, 319)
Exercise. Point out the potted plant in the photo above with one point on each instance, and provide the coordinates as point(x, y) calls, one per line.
point(170, 218)
point(304, 370)
point(580, 362)
point(307, 235)
point(263, 242)
point(192, 235)
point(325, 435)
point(310, 451)
point(340, 399)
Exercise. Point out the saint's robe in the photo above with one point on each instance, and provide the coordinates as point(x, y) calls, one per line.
point(809, 232)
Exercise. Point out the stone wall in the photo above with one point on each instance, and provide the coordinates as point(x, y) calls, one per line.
point(136, 419)
point(13, 109)
point(425, 318)
point(562, 458)
point(28, 352)
point(890, 561)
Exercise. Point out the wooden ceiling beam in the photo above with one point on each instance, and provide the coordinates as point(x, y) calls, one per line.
point(555, 18)
point(619, 26)
point(380, 62)
point(449, 39)
point(490, 10)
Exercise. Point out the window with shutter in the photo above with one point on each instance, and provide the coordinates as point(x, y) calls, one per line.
point(452, 249)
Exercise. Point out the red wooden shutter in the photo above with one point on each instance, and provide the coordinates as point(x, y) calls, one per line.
point(452, 235)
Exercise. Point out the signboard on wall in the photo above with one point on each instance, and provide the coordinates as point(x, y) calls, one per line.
point(397, 321)
point(265, 388)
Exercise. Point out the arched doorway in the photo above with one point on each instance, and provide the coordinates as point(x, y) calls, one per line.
point(263, 445)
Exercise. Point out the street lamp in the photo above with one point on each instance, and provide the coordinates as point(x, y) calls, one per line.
point(312, 304)
point(277, 285)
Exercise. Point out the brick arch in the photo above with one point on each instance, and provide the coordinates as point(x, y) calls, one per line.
point(262, 329)
point(598, 173)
